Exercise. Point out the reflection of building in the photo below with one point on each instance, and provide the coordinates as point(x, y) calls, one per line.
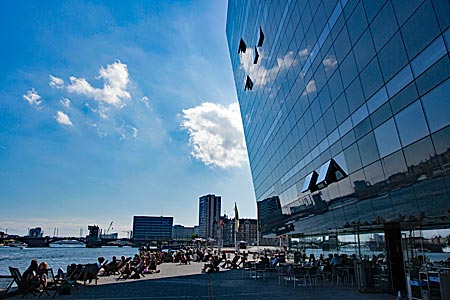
point(147, 229)
point(36, 232)
point(247, 232)
point(208, 215)
point(348, 99)
point(179, 232)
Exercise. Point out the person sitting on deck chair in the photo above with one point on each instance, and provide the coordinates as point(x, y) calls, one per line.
point(233, 263)
point(112, 267)
point(30, 277)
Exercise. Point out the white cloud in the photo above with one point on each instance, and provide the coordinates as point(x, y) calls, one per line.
point(258, 72)
point(63, 119)
point(310, 87)
point(115, 82)
point(128, 131)
point(146, 101)
point(33, 97)
point(56, 82)
point(65, 102)
point(330, 62)
point(216, 134)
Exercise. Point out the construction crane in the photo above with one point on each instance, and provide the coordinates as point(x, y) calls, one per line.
point(109, 228)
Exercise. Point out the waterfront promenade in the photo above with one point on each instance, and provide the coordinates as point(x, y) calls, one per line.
point(188, 282)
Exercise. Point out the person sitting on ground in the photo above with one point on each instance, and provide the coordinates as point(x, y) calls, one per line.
point(151, 266)
point(121, 262)
point(212, 265)
point(126, 270)
point(183, 259)
point(30, 277)
point(111, 268)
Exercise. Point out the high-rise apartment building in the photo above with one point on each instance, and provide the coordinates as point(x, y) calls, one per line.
point(345, 107)
point(208, 215)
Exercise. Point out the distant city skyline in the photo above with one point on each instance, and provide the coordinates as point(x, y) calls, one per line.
point(114, 109)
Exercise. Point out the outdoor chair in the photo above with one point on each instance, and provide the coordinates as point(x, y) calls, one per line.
point(24, 288)
point(6, 282)
point(63, 286)
point(246, 268)
point(92, 272)
point(51, 281)
point(300, 275)
point(285, 273)
point(260, 271)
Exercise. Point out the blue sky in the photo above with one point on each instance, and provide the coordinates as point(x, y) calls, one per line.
point(113, 109)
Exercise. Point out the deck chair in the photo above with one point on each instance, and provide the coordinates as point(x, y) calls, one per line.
point(92, 272)
point(6, 282)
point(24, 288)
point(63, 286)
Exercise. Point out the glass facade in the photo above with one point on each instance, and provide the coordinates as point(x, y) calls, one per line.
point(148, 229)
point(347, 119)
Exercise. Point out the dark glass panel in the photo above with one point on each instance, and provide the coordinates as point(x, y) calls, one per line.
point(384, 26)
point(436, 105)
point(352, 158)
point(324, 99)
point(442, 9)
point(335, 85)
point(355, 96)
point(394, 166)
point(433, 76)
point(364, 50)
point(357, 23)
point(407, 96)
point(368, 149)
point(371, 78)
point(411, 124)
point(392, 57)
point(381, 114)
point(362, 128)
point(348, 139)
point(315, 110)
point(320, 130)
point(420, 29)
point(330, 120)
point(348, 70)
point(418, 157)
point(404, 9)
point(372, 8)
point(341, 109)
point(342, 45)
point(387, 138)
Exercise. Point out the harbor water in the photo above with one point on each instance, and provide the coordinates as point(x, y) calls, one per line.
point(58, 256)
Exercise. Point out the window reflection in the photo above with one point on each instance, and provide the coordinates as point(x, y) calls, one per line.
point(387, 138)
point(411, 124)
point(436, 105)
point(428, 56)
point(399, 81)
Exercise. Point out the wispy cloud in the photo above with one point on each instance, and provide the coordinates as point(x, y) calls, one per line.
point(63, 119)
point(216, 134)
point(33, 98)
point(128, 131)
point(56, 82)
point(146, 101)
point(115, 82)
point(65, 102)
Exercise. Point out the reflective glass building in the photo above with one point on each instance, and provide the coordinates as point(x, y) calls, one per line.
point(346, 112)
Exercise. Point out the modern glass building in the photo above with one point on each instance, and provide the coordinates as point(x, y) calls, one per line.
point(346, 111)
point(148, 229)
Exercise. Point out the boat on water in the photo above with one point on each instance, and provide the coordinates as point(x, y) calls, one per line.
point(17, 244)
point(446, 249)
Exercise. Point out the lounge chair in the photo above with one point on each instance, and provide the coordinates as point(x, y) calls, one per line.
point(6, 282)
point(63, 286)
point(24, 288)
point(92, 272)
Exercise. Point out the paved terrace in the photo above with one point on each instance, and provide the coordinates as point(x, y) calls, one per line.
point(188, 282)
